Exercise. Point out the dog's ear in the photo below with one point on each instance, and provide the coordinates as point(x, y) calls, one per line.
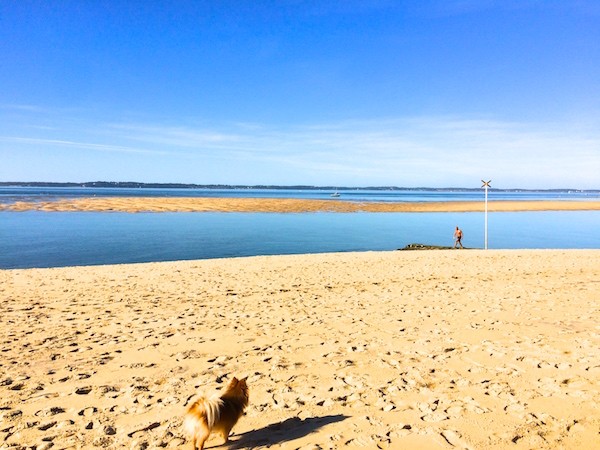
point(234, 380)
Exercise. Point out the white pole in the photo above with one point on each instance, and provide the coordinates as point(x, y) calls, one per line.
point(486, 184)
point(486, 221)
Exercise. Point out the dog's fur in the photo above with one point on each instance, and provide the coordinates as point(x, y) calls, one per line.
point(216, 413)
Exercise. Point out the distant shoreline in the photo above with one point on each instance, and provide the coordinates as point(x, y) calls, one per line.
point(179, 204)
point(302, 187)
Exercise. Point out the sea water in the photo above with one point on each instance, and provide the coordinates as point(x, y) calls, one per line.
point(18, 193)
point(54, 239)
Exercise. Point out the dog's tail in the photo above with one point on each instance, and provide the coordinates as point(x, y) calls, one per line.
point(207, 410)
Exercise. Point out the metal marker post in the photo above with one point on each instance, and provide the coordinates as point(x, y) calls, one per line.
point(486, 185)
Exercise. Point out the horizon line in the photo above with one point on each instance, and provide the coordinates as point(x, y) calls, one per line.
point(169, 185)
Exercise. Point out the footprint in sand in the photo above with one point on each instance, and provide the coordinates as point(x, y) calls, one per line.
point(47, 426)
point(17, 386)
point(88, 412)
point(454, 439)
point(436, 416)
point(84, 390)
point(12, 415)
point(50, 411)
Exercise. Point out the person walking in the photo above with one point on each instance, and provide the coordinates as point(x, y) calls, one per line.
point(458, 235)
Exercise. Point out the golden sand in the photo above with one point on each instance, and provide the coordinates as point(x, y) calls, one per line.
point(171, 204)
point(429, 350)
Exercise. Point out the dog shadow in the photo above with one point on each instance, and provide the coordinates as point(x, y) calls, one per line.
point(280, 432)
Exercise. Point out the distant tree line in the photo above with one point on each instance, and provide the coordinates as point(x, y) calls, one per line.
point(133, 184)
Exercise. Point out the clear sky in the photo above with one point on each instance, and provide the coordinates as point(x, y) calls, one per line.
point(344, 93)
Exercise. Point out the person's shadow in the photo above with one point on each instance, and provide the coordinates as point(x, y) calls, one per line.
point(280, 432)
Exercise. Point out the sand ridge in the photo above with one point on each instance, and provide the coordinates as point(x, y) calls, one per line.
point(180, 204)
point(432, 349)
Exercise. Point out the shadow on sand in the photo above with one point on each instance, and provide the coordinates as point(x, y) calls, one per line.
point(277, 433)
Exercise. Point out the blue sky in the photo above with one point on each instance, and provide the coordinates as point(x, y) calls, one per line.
point(347, 93)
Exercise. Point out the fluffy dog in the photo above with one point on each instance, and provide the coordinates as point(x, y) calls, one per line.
point(217, 413)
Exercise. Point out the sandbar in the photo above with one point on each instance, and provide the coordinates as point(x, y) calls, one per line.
point(444, 349)
point(179, 204)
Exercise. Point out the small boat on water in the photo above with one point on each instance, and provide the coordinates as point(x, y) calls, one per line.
point(335, 194)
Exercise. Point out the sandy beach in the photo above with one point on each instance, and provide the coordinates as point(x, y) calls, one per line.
point(431, 349)
point(178, 204)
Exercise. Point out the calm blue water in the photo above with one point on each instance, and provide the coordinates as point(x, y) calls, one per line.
point(54, 239)
point(12, 194)
point(51, 239)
